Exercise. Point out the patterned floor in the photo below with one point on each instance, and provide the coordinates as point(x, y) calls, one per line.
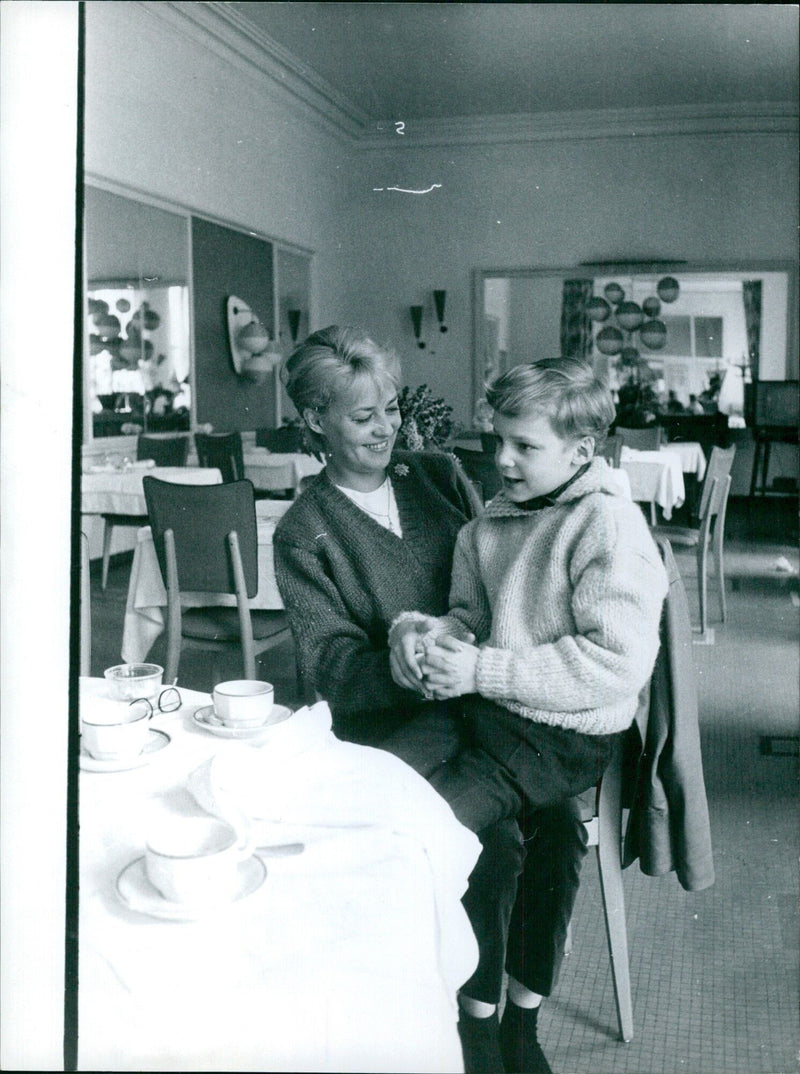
point(714, 973)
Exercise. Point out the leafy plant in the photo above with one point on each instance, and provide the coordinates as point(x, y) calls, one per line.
point(427, 421)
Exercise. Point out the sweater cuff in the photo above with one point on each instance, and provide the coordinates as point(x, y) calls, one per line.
point(403, 623)
point(493, 674)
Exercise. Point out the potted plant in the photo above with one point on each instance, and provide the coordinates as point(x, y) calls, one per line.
point(427, 421)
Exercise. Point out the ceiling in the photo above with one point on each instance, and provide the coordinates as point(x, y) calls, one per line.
point(437, 60)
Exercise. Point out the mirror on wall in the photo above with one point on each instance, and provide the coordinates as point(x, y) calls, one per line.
point(694, 337)
point(138, 367)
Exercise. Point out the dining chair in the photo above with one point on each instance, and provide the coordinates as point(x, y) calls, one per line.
point(481, 470)
point(615, 811)
point(223, 451)
point(601, 811)
point(164, 451)
point(649, 439)
point(206, 541)
point(85, 617)
point(612, 450)
point(710, 528)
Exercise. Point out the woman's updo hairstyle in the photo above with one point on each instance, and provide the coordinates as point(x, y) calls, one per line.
point(331, 361)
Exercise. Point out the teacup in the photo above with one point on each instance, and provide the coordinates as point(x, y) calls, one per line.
point(114, 730)
point(243, 702)
point(194, 860)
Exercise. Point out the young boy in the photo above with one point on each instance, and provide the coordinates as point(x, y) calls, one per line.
point(561, 585)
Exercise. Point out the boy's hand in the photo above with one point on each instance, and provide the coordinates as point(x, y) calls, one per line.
point(449, 668)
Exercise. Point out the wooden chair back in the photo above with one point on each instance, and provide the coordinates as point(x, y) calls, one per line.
point(612, 450)
point(163, 450)
point(223, 451)
point(649, 439)
point(719, 467)
point(206, 541)
point(481, 470)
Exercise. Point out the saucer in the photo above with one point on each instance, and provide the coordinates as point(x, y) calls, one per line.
point(137, 893)
point(156, 741)
point(206, 718)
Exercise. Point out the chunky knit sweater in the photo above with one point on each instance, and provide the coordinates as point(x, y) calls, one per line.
point(343, 577)
point(565, 604)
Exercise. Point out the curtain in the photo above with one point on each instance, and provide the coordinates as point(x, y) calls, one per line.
point(576, 327)
point(751, 294)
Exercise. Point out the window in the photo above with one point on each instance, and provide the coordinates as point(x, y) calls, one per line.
point(693, 337)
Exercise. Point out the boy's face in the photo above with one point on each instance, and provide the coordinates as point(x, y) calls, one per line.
point(532, 458)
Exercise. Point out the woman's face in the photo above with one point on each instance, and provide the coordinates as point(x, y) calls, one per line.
point(359, 428)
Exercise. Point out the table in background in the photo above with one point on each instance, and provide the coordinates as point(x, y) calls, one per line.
point(147, 597)
point(656, 477)
point(347, 958)
point(270, 471)
point(693, 459)
point(120, 492)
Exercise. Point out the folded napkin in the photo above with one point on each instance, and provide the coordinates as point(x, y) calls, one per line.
point(141, 464)
point(303, 777)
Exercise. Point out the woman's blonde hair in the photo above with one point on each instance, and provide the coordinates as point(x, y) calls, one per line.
point(331, 361)
point(567, 390)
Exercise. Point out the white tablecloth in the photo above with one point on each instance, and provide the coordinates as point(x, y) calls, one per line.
point(655, 477)
point(120, 492)
point(147, 597)
point(270, 470)
point(347, 958)
point(693, 461)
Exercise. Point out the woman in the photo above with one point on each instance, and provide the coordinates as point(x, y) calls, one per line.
point(371, 536)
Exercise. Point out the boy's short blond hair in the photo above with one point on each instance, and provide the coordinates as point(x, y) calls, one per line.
point(567, 390)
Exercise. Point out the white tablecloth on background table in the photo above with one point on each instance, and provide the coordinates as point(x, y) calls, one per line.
point(120, 492)
point(655, 477)
point(347, 958)
point(693, 461)
point(269, 470)
point(147, 597)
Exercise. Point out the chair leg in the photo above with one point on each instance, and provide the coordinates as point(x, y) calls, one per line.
point(610, 868)
point(652, 512)
point(720, 569)
point(702, 582)
point(108, 532)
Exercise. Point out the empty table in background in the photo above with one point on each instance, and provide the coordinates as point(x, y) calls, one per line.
point(120, 492)
point(656, 477)
point(272, 472)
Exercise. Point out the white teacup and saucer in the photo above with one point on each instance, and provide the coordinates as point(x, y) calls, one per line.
point(242, 708)
point(116, 735)
point(191, 866)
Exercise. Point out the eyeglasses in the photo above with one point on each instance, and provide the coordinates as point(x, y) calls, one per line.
point(169, 700)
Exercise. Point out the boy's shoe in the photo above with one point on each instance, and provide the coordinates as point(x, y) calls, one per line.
point(480, 1044)
point(519, 1046)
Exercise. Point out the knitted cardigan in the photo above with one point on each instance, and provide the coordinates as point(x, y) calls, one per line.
point(565, 604)
point(343, 577)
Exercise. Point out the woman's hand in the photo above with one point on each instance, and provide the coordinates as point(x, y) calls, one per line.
point(405, 652)
point(449, 668)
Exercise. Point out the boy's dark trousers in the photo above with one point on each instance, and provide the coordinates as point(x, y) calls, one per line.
point(511, 782)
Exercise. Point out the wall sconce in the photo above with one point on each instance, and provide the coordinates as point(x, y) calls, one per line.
point(293, 317)
point(416, 320)
point(438, 301)
point(252, 352)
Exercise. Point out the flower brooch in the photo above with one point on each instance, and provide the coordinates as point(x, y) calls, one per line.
point(400, 470)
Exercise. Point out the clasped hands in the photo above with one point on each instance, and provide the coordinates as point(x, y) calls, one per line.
point(438, 666)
